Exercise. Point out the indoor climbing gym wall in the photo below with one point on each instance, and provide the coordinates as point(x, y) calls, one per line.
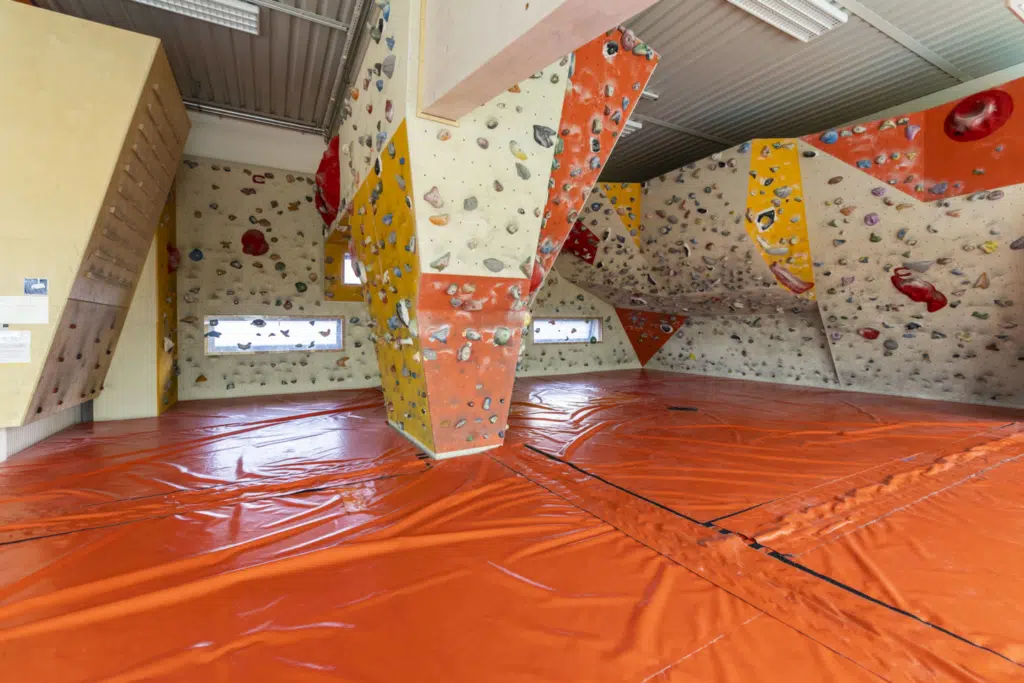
point(882, 257)
point(559, 298)
point(251, 244)
point(447, 220)
point(75, 246)
point(142, 380)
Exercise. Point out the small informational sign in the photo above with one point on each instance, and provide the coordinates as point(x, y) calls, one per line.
point(37, 286)
point(15, 346)
point(24, 310)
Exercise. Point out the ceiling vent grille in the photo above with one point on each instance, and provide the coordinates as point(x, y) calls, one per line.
point(802, 19)
point(235, 14)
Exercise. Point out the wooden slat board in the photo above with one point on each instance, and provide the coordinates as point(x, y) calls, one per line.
point(84, 342)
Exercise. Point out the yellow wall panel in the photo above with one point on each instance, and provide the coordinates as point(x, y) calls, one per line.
point(383, 229)
point(776, 216)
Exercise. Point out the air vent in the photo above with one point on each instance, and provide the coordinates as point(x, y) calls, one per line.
point(802, 19)
point(235, 14)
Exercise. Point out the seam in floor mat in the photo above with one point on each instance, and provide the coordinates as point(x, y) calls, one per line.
point(530, 479)
point(774, 554)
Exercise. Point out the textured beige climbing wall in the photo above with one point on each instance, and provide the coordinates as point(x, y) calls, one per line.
point(788, 348)
point(559, 298)
point(376, 104)
point(863, 231)
point(219, 203)
point(481, 186)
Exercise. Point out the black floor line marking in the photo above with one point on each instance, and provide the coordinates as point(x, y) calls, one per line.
point(688, 409)
point(774, 554)
point(740, 512)
point(620, 488)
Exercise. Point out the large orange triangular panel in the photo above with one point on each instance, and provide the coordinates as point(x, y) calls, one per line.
point(648, 331)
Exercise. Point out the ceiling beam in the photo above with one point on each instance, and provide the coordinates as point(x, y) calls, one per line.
point(906, 40)
point(683, 129)
point(471, 51)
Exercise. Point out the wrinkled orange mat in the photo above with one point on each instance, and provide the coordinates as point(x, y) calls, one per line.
point(637, 526)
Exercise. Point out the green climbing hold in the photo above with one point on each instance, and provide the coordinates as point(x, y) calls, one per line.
point(301, 287)
point(875, 237)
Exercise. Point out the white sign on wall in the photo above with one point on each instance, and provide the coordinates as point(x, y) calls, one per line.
point(15, 346)
point(24, 310)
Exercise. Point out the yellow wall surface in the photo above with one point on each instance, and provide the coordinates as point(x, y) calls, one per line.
point(166, 308)
point(78, 84)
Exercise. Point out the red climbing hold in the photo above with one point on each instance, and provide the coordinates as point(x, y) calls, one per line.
point(979, 115)
point(328, 183)
point(788, 279)
point(918, 290)
point(868, 332)
point(582, 243)
point(538, 276)
point(254, 243)
point(173, 258)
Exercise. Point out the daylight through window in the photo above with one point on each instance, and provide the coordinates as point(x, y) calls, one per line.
point(566, 330)
point(271, 334)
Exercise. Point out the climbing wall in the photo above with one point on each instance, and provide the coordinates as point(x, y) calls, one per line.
point(883, 257)
point(91, 180)
point(787, 348)
point(168, 260)
point(607, 76)
point(446, 218)
point(559, 298)
point(918, 298)
point(376, 104)
point(648, 331)
point(250, 243)
point(384, 233)
point(625, 198)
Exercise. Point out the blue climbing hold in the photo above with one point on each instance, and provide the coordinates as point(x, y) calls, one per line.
point(196, 255)
point(829, 137)
point(744, 148)
point(864, 163)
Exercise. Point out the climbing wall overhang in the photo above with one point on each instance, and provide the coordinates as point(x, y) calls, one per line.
point(92, 188)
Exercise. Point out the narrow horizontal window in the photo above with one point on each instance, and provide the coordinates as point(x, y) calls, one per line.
point(566, 330)
point(272, 334)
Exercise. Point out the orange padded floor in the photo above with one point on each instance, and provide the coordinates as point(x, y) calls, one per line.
point(637, 526)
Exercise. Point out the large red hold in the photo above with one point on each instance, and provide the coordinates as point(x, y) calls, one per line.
point(328, 183)
point(918, 290)
point(254, 243)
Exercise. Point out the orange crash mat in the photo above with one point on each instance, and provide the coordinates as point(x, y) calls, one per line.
point(711, 448)
point(637, 526)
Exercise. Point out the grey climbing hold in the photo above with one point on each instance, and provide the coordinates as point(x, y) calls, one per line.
point(544, 136)
point(470, 203)
point(387, 66)
point(465, 351)
point(441, 262)
point(494, 265)
point(502, 336)
point(891, 344)
point(522, 171)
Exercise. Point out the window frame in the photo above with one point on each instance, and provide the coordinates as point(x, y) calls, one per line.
point(600, 325)
point(209, 342)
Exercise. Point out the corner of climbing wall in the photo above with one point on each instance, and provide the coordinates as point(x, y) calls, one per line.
point(383, 232)
point(915, 221)
point(250, 241)
point(607, 76)
point(560, 298)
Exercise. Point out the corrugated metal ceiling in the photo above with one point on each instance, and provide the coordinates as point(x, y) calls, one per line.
point(286, 72)
point(731, 77)
point(724, 77)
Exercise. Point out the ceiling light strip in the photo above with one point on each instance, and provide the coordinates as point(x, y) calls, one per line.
point(802, 19)
point(233, 14)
